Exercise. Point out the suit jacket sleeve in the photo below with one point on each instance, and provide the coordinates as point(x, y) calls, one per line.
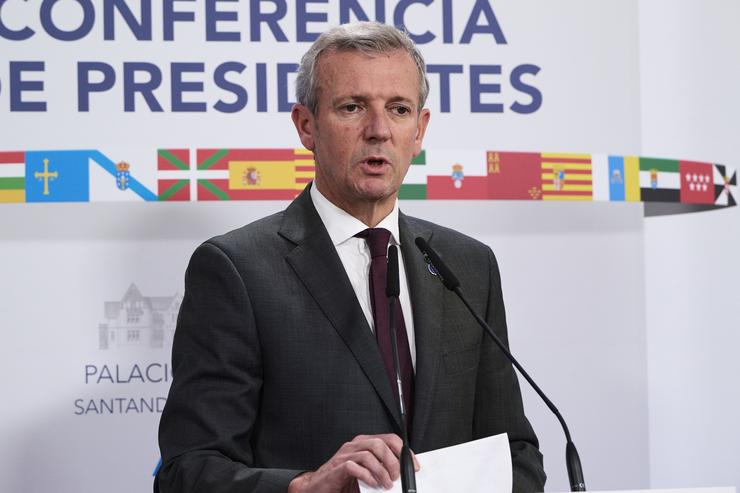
point(496, 377)
point(209, 418)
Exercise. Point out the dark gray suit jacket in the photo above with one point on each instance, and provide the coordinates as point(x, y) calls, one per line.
point(275, 365)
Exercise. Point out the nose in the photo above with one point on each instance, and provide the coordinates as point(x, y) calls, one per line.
point(377, 125)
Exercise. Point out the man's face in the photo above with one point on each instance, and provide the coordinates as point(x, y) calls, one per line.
point(367, 125)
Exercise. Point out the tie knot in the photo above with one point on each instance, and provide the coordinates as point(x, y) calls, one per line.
point(377, 240)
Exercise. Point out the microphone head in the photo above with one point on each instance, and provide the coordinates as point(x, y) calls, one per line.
point(445, 274)
point(392, 285)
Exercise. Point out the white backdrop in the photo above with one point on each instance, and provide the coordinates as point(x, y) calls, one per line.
point(689, 77)
point(576, 276)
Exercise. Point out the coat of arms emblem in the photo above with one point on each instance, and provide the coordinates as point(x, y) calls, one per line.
point(251, 177)
point(123, 175)
point(457, 175)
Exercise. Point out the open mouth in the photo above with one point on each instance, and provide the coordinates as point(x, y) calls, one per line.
point(376, 162)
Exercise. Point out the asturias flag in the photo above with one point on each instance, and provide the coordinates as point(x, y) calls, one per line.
point(57, 176)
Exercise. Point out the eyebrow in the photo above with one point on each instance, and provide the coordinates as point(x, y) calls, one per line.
point(361, 98)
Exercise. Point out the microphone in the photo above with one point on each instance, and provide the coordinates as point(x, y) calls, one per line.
point(392, 290)
point(430, 256)
point(450, 281)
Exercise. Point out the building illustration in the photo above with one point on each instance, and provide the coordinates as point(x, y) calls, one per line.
point(138, 321)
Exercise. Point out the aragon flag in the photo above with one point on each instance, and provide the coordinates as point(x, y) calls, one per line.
point(566, 177)
point(253, 174)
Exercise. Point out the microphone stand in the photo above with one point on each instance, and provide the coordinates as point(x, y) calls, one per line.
point(450, 281)
point(392, 290)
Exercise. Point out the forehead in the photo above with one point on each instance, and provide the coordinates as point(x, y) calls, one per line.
point(392, 74)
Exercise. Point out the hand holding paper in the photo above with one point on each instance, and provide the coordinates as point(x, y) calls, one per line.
point(480, 466)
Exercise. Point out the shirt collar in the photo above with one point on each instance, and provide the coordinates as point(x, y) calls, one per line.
point(342, 226)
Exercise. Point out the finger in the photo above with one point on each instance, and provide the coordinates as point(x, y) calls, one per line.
point(370, 462)
point(393, 441)
point(355, 471)
point(383, 446)
point(387, 448)
point(417, 465)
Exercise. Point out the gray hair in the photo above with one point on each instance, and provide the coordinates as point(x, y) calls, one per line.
point(371, 38)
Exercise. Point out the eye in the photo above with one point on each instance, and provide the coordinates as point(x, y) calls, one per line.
point(401, 110)
point(351, 107)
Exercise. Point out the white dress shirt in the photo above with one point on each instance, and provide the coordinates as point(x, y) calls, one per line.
point(355, 256)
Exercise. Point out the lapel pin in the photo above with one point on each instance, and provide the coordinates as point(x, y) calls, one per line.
point(430, 267)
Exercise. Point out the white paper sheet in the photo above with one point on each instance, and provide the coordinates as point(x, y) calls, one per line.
point(480, 466)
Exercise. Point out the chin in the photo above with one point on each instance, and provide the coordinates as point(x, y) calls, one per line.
point(376, 193)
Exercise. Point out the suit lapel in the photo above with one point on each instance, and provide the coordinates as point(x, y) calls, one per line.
point(316, 263)
point(426, 294)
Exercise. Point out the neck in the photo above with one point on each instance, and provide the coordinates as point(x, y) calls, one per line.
point(372, 214)
point(369, 212)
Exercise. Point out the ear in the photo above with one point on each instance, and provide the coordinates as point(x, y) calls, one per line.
point(303, 121)
point(421, 129)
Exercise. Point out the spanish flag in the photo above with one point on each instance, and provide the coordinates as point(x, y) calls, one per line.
point(253, 174)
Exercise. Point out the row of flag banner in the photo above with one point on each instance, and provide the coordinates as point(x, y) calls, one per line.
point(280, 174)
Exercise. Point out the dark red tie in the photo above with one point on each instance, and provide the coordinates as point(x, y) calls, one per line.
point(377, 240)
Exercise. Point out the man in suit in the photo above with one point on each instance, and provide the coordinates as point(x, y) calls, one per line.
point(279, 381)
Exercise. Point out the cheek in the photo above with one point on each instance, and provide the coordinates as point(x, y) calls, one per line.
point(343, 139)
point(345, 131)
